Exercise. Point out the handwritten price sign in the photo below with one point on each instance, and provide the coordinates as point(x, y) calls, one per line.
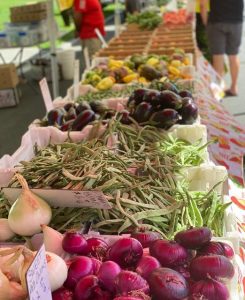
point(37, 278)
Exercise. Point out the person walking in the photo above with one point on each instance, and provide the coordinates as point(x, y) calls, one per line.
point(224, 29)
point(201, 33)
point(88, 16)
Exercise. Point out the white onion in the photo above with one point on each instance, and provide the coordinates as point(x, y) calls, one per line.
point(5, 232)
point(28, 212)
point(53, 241)
point(57, 271)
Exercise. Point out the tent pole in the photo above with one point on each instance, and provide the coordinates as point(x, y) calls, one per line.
point(52, 38)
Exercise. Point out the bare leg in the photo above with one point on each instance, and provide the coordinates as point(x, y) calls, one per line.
point(218, 64)
point(234, 70)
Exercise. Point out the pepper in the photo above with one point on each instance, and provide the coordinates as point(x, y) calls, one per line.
point(115, 63)
point(142, 80)
point(152, 62)
point(174, 71)
point(176, 63)
point(130, 78)
point(106, 83)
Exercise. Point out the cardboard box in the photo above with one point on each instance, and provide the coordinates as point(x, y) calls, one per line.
point(8, 76)
point(9, 97)
point(28, 17)
point(28, 8)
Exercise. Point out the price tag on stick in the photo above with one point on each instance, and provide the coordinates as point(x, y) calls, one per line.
point(46, 94)
point(37, 278)
point(76, 78)
point(86, 58)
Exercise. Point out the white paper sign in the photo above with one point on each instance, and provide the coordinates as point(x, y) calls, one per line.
point(76, 78)
point(46, 94)
point(37, 278)
point(64, 198)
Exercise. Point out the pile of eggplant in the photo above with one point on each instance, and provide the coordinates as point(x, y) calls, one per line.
point(162, 109)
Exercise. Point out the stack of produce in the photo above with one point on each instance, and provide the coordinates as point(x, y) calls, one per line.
point(137, 69)
point(146, 20)
point(137, 169)
point(138, 267)
point(167, 38)
point(162, 108)
point(176, 18)
point(130, 41)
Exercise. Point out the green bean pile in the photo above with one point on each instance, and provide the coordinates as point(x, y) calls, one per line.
point(136, 176)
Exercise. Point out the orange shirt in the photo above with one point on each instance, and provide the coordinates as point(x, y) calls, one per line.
point(92, 18)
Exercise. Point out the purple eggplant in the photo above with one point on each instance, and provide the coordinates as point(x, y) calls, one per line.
point(168, 99)
point(69, 105)
point(124, 117)
point(56, 117)
point(83, 119)
point(152, 96)
point(137, 97)
point(67, 126)
point(82, 106)
point(143, 112)
point(71, 114)
point(189, 113)
point(185, 93)
point(165, 118)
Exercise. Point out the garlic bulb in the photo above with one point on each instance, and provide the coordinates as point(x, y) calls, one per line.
point(5, 232)
point(10, 290)
point(10, 262)
point(57, 271)
point(28, 212)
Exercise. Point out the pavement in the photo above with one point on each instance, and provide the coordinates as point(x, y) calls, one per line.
point(236, 105)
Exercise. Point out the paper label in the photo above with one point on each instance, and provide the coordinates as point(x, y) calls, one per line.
point(37, 278)
point(46, 94)
point(76, 78)
point(64, 198)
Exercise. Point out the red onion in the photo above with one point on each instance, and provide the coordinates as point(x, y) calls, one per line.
point(126, 252)
point(194, 238)
point(128, 282)
point(184, 271)
point(107, 274)
point(228, 251)
point(141, 297)
point(168, 284)
point(97, 248)
point(215, 266)
point(218, 248)
point(209, 289)
point(74, 243)
point(146, 238)
point(62, 294)
point(169, 253)
point(88, 288)
point(79, 268)
point(96, 265)
point(146, 265)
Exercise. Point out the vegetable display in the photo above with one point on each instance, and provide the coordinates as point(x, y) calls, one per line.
point(146, 20)
point(138, 178)
point(137, 68)
point(126, 271)
point(142, 146)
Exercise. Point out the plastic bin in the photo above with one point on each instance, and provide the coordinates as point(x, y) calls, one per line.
point(66, 59)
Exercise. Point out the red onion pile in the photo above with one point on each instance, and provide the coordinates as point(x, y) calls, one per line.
point(190, 267)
